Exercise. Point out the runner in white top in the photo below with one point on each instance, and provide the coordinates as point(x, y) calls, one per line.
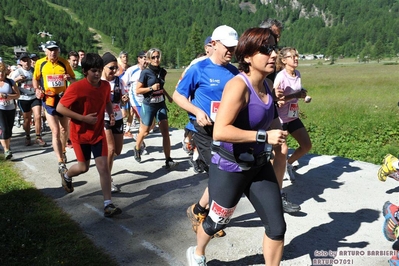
point(27, 101)
point(114, 133)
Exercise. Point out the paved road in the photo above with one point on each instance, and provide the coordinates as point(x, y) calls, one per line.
point(341, 204)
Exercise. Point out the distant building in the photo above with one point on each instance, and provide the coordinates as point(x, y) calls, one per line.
point(309, 57)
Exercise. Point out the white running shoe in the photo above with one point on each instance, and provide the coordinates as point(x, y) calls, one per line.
point(194, 260)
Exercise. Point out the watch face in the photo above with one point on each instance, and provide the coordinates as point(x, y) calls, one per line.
point(261, 136)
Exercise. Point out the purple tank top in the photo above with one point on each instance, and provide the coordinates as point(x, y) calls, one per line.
point(256, 115)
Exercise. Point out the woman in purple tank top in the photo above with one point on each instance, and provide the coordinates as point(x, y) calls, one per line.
point(245, 123)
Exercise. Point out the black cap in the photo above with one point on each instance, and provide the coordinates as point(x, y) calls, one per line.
point(142, 53)
point(24, 55)
point(33, 56)
point(108, 58)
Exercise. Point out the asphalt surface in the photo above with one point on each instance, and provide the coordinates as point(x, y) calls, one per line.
point(341, 202)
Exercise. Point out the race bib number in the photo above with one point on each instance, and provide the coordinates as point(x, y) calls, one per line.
point(157, 99)
point(55, 81)
point(5, 102)
point(117, 112)
point(293, 110)
point(116, 108)
point(214, 109)
point(28, 87)
point(220, 214)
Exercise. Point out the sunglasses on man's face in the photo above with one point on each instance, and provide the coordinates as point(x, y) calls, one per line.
point(268, 49)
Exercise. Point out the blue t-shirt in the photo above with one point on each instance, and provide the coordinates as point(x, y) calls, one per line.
point(204, 82)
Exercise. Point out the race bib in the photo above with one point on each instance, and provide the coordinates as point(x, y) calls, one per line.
point(5, 102)
point(117, 112)
point(28, 87)
point(116, 108)
point(157, 99)
point(214, 109)
point(220, 214)
point(55, 81)
point(293, 110)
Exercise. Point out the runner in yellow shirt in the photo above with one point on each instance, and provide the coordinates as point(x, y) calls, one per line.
point(50, 81)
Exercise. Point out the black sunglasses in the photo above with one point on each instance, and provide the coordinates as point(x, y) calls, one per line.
point(268, 49)
point(113, 68)
point(156, 56)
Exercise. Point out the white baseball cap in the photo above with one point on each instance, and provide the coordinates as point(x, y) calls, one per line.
point(226, 35)
point(51, 44)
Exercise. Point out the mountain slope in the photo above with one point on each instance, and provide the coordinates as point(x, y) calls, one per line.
point(177, 27)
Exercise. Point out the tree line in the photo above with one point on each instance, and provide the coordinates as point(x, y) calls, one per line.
point(331, 27)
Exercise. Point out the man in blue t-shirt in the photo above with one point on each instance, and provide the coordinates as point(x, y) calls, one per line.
point(199, 93)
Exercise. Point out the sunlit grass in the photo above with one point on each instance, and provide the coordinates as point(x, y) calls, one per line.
point(354, 110)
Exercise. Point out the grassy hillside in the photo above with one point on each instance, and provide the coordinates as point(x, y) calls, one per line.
point(104, 42)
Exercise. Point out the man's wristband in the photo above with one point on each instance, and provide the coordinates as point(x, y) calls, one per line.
point(261, 136)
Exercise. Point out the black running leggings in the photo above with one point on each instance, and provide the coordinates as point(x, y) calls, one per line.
point(261, 188)
point(7, 118)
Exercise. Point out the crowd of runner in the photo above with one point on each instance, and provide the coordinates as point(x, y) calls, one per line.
point(238, 121)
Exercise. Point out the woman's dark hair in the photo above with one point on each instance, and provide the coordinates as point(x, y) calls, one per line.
point(249, 43)
point(92, 60)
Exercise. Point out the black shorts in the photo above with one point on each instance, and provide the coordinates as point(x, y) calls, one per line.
point(26, 105)
point(117, 128)
point(83, 151)
point(203, 141)
point(293, 125)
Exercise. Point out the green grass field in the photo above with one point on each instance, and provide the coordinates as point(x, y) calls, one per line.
point(353, 113)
